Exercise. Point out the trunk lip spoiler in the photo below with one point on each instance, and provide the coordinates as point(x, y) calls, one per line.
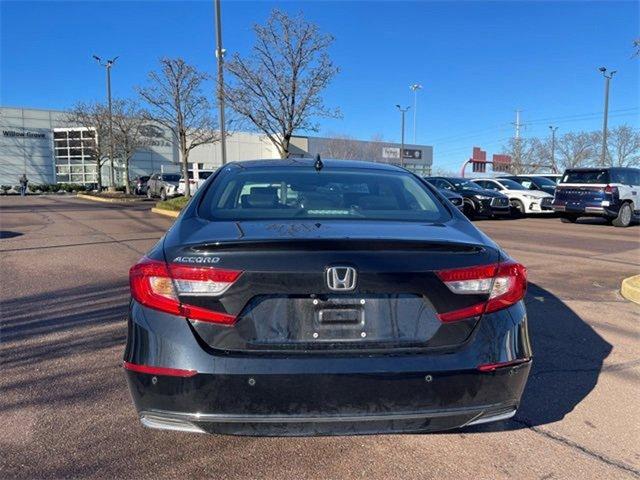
point(347, 243)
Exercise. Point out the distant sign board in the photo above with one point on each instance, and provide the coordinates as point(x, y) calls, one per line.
point(413, 153)
point(409, 153)
point(501, 163)
point(390, 152)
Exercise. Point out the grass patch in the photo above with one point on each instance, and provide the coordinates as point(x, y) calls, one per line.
point(174, 204)
point(112, 195)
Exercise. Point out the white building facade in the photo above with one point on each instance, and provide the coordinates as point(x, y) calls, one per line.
point(43, 145)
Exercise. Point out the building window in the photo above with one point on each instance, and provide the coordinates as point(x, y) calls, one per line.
point(74, 149)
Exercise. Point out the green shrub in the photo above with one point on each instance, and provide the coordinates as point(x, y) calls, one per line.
point(175, 204)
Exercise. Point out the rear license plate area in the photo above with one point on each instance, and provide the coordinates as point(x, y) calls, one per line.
point(340, 316)
point(338, 320)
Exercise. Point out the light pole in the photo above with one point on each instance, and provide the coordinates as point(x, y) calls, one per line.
point(402, 112)
point(415, 87)
point(107, 65)
point(553, 148)
point(220, 57)
point(607, 79)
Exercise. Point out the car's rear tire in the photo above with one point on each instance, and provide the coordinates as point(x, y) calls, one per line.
point(567, 218)
point(625, 214)
point(517, 208)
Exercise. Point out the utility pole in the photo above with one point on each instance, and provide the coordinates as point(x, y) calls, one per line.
point(107, 65)
point(402, 112)
point(607, 80)
point(415, 87)
point(518, 152)
point(553, 148)
point(220, 57)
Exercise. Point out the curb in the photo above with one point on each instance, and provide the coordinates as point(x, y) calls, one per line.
point(630, 289)
point(166, 213)
point(107, 200)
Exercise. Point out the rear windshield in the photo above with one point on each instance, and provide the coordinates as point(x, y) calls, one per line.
point(544, 182)
point(585, 176)
point(171, 177)
point(510, 184)
point(466, 184)
point(300, 193)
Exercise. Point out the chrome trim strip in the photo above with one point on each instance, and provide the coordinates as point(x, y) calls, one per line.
point(162, 422)
point(235, 418)
point(493, 418)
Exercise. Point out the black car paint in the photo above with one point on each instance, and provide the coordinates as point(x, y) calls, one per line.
point(240, 390)
point(476, 206)
point(457, 200)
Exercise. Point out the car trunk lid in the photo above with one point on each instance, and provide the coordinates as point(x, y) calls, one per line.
point(284, 300)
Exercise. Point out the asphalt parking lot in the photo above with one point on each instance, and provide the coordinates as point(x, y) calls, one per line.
point(66, 411)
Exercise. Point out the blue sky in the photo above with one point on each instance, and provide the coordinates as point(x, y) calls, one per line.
point(478, 61)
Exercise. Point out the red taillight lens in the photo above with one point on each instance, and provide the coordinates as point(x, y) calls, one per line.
point(158, 285)
point(611, 190)
point(505, 283)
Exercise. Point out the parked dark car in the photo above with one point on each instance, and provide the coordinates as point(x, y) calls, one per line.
point(611, 193)
point(139, 185)
point(454, 198)
point(293, 297)
point(478, 202)
point(540, 183)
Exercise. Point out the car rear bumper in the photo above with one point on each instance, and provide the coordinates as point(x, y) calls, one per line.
point(593, 210)
point(326, 394)
point(301, 425)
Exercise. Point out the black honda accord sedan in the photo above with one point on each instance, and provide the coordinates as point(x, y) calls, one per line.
point(294, 297)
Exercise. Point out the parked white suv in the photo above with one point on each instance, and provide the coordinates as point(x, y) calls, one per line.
point(523, 201)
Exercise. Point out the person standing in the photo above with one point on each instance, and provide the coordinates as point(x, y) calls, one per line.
point(24, 181)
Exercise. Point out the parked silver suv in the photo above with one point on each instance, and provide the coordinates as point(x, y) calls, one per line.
point(163, 185)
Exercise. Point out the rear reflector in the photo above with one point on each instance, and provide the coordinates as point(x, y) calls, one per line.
point(491, 367)
point(169, 372)
point(157, 285)
point(504, 283)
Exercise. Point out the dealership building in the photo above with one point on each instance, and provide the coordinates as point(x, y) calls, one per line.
point(45, 146)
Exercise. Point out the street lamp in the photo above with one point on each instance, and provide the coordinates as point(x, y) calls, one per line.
point(553, 148)
point(107, 65)
point(220, 57)
point(402, 112)
point(607, 79)
point(415, 87)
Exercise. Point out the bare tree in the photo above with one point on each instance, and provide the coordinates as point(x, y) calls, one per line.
point(341, 146)
point(636, 47)
point(623, 146)
point(176, 100)
point(576, 149)
point(93, 117)
point(277, 88)
point(523, 152)
point(128, 127)
point(345, 147)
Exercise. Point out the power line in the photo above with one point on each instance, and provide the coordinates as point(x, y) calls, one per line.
point(502, 126)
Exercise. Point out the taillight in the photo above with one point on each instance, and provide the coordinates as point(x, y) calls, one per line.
point(504, 283)
point(610, 190)
point(158, 285)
